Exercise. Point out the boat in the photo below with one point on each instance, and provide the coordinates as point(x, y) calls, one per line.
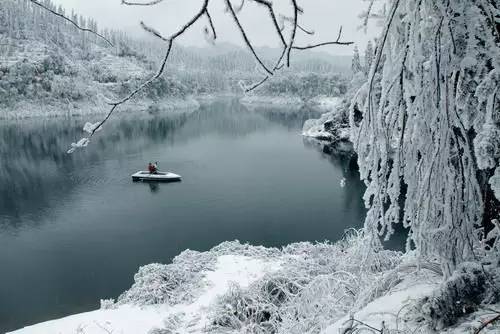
point(158, 176)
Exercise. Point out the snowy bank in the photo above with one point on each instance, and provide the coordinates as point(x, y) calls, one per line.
point(331, 130)
point(98, 106)
point(346, 287)
point(236, 288)
point(263, 100)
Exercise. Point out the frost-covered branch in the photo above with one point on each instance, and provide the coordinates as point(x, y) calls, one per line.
point(428, 133)
point(71, 21)
point(487, 323)
point(335, 42)
point(149, 3)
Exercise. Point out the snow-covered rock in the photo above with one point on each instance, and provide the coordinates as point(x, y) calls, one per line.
point(330, 126)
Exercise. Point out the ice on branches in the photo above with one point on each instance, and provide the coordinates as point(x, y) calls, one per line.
point(317, 284)
point(429, 124)
point(495, 183)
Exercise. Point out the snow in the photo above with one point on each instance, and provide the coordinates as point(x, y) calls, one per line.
point(326, 103)
point(387, 308)
point(192, 317)
point(315, 127)
point(289, 101)
point(24, 109)
point(495, 183)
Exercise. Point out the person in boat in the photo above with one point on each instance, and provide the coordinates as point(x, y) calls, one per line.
point(152, 168)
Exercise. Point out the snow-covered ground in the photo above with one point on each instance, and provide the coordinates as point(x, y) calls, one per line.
point(98, 106)
point(189, 317)
point(345, 287)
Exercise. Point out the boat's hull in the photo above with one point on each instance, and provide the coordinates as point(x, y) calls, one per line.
point(156, 177)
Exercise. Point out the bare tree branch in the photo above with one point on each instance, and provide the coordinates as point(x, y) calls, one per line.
point(245, 37)
point(251, 88)
point(170, 41)
point(273, 18)
point(487, 322)
point(289, 19)
point(150, 3)
point(296, 11)
point(336, 42)
point(71, 21)
point(211, 23)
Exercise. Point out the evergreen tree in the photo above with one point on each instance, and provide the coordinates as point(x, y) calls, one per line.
point(356, 62)
point(369, 54)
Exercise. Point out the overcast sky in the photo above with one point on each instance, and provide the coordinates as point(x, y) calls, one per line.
point(323, 16)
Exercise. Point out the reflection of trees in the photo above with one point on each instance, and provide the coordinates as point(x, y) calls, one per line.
point(289, 116)
point(35, 168)
point(345, 161)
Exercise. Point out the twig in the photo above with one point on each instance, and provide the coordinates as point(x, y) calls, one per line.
point(71, 21)
point(211, 23)
point(351, 319)
point(336, 42)
point(294, 31)
point(486, 323)
point(308, 32)
point(245, 37)
point(150, 3)
point(170, 41)
point(247, 90)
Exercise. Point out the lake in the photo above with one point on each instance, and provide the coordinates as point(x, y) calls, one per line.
point(75, 228)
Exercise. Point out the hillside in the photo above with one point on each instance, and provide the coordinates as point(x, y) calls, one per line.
point(49, 67)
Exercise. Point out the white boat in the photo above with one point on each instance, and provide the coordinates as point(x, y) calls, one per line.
point(158, 176)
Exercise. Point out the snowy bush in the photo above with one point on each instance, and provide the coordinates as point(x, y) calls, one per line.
point(459, 295)
point(169, 284)
point(317, 284)
point(487, 146)
point(108, 304)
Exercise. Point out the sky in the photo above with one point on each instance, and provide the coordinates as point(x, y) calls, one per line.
point(323, 16)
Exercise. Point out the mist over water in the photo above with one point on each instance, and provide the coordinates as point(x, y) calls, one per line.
point(75, 228)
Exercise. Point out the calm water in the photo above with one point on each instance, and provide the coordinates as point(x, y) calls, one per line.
point(74, 228)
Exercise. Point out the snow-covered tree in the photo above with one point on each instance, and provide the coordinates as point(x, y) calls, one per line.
point(356, 61)
point(430, 139)
point(369, 54)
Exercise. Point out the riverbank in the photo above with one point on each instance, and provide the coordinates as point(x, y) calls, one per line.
point(99, 106)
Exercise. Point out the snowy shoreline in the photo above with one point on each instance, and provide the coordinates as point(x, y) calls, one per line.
point(40, 110)
point(301, 288)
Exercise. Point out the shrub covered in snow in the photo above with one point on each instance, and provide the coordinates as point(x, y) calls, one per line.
point(317, 284)
point(169, 284)
point(461, 294)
